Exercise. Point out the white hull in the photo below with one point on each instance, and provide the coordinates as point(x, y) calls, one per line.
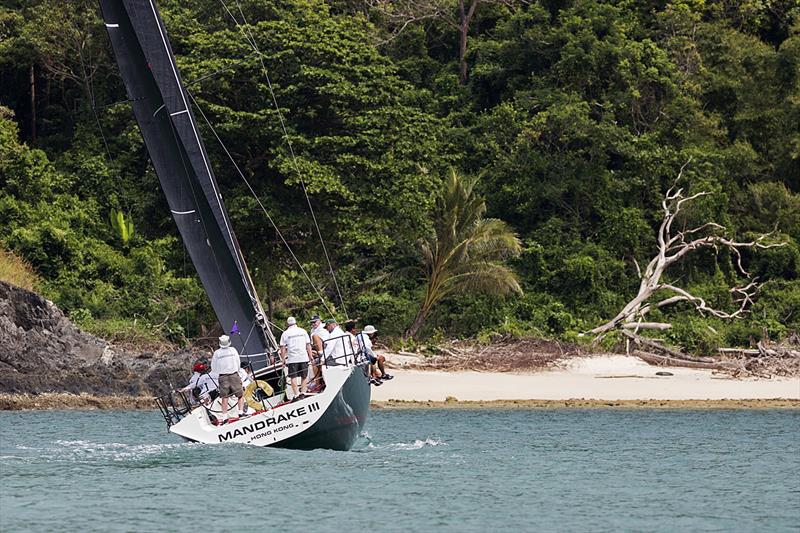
point(277, 423)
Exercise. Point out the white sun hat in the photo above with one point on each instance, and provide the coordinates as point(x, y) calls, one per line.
point(291, 321)
point(224, 341)
point(369, 330)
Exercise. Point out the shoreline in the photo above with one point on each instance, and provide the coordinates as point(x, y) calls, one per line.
point(88, 402)
point(603, 381)
point(576, 403)
point(603, 378)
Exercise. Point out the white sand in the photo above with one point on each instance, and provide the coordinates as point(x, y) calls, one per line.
point(611, 377)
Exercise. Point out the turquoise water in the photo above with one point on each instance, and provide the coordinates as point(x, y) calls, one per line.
point(443, 470)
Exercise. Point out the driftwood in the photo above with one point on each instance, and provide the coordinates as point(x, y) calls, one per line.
point(664, 360)
point(768, 360)
point(674, 354)
point(674, 245)
point(502, 355)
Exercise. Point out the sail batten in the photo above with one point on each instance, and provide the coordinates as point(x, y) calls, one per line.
point(168, 126)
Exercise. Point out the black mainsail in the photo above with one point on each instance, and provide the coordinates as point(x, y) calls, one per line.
point(161, 105)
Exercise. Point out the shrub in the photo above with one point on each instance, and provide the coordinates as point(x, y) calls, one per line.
point(390, 313)
point(17, 271)
point(696, 334)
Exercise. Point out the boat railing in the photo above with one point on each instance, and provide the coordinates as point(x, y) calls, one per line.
point(349, 355)
point(261, 363)
point(173, 406)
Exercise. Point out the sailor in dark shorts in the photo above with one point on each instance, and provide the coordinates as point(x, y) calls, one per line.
point(296, 354)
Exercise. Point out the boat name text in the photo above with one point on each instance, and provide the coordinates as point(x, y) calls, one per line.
point(268, 422)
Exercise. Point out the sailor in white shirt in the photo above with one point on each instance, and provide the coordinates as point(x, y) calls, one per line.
point(201, 385)
point(318, 336)
point(337, 345)
point(226, 364)
point(296, 354)
point(375, 360)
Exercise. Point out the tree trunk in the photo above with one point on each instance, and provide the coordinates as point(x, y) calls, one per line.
point(463, 33)
point(463, 74)
point(32, 79)
point(419, 321)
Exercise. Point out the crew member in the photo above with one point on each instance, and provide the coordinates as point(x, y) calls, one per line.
point(296, 353)
point(201, 387)
point(318, 336)
point(334, 351)
point(365, 341)
point(225, 363)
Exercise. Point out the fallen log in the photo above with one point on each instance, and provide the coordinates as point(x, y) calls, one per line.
point(669, 351)
point(664, 360)
point(743, 351)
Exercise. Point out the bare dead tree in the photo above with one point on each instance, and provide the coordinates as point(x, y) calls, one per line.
point(458, 14)
point(674, 245)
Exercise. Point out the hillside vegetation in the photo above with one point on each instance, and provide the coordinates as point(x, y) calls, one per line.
point(570, 120)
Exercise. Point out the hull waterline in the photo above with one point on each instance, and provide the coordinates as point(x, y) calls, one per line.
point(340, 425)
point(331, 419)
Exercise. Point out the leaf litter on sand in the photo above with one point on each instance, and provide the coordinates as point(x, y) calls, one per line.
point(502, 355)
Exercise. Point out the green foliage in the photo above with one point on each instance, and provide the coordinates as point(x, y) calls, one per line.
point(577, 117)
point(391, 313)
point(464, 252)
point(65, 240)
point(695, 335)
point(123, 227)
point(778, 308)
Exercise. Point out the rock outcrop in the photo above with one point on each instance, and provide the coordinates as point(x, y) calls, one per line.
point(42, 351)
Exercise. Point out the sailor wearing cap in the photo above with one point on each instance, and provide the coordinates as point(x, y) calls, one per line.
point(335, 345)
point(296, 354)
point(365, 341)
point(201, 386)
point(225, 363)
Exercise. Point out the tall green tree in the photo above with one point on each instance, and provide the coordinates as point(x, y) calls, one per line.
point(465, 251)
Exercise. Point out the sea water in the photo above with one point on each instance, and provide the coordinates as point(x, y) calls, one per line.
point(412, 470)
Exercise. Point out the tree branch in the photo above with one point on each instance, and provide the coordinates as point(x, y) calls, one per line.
point(674, 246)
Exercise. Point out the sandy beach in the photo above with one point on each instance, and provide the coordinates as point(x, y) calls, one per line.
point(608, 377)
point(600, 381)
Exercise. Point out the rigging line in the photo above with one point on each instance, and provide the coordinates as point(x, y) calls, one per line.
point(250, 38)
point(291, 151)
point(110, 159)
point(261, 205)
point(220, 71)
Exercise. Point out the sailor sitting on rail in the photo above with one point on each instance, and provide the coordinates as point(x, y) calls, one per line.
point(376, 361)
point(338, 346)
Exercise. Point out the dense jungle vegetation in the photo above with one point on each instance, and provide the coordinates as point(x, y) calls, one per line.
point(572, 119)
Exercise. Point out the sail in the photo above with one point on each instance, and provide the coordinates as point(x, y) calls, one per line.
point(170, 132)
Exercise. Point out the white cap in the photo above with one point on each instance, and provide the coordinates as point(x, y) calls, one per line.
point(291, 321)
point(224, 341)
point(369, 330)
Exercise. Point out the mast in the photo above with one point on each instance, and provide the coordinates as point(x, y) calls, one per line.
point(170, 132)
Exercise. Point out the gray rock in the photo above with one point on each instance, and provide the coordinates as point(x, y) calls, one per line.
point(42, 351)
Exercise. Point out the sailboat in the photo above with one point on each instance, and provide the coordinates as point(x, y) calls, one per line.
point(332, 418)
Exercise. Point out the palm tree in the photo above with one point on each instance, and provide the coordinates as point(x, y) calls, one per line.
point(465, 251)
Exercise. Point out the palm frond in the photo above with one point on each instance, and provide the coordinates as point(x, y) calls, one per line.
point(465, 251)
